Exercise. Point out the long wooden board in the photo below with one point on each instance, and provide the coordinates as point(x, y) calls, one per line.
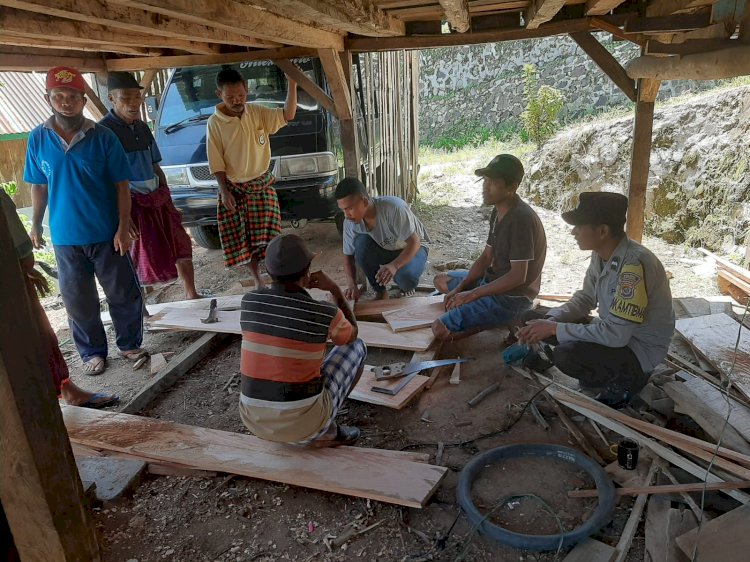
point(714, 337)
point(414, 317)
point(374, 310)
point(739, 415)
point(724, 539)
point(372, 333)
point(363, 391)
point(343, 470)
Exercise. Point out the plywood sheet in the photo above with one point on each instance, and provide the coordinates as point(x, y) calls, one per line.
point(373, 333)
point(724, 539)
point(363, 393)
point(344, 470)
point(714, 338)
point(739, 415)
point(374, 310)
point(413, 317)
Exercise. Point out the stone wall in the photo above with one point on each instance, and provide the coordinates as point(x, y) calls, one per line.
point(482, 85)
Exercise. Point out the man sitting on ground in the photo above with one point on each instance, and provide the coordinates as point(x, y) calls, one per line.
point(613, 355)
point(504, 280)
point(383, 237)
point(292, 391)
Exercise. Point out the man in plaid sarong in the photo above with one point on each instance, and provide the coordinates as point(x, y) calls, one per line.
point(239, 155)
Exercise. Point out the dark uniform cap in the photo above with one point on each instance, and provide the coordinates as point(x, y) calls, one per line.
point(598, 207)
point(122, 81)
point(503, 166)
point(287, 254)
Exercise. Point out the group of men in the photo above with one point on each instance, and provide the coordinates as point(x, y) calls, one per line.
point(112, 218)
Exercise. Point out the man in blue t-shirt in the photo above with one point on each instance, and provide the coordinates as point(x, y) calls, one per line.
point(80, 169)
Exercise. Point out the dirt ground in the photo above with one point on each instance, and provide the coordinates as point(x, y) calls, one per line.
point(234, 518)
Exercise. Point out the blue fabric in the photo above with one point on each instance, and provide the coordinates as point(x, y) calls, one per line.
point(140, 148)
point(369, 255)
point(77, 266)
point(340, 369)
point(486, 312)
point(82, 196)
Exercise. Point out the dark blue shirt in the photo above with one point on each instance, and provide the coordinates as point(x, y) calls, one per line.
point(140, 148)
point(80, 179)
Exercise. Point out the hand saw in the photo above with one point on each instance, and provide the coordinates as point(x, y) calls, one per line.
point(397, 370)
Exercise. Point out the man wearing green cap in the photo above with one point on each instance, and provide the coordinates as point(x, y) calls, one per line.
point(613, 355)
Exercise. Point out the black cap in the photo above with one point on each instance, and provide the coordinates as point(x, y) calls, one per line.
point(598, 207)
point(503, 166)
point(287, 254)
point(122, 81)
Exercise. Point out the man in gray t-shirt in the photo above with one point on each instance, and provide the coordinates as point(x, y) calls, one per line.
point(383, 237)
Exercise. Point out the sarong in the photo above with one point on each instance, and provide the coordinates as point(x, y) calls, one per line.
point(162, 238)
point(56, 364)
point(256, 220)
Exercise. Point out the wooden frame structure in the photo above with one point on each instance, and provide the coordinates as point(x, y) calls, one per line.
point(680, 39)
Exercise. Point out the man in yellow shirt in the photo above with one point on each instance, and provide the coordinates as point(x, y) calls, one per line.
point(239, 155)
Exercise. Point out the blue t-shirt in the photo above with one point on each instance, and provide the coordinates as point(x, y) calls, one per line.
point(140, 148)
point(80, 181)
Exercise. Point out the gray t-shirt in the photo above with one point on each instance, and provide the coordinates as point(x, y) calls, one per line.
point(394, 223)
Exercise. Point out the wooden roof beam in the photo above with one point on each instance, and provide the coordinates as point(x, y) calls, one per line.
point(606, 62)
point(542, 11)
point(337, 82)
point(601, 7)
point(714, 65)
point(616, 31)
point(42, 43)
point(668, 24)
point(457, 14)
point(135, 20)
point(29, 24)
point(315, 91)
point(234, 17)
point(22, 59)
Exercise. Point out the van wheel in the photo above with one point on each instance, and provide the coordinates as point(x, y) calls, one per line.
point(339, 219)
point(206, 236)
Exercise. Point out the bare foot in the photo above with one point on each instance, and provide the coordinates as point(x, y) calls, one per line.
point(193, 296)
point(76, 396)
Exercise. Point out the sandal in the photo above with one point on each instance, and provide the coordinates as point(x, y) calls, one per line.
point(133, 354)
point(345, 435)
point(409, 293)
point(100, 400)
point(94, 366)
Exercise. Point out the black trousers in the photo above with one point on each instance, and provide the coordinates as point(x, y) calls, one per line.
point(598, 368)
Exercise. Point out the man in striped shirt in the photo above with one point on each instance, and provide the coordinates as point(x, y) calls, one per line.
point(292, 390)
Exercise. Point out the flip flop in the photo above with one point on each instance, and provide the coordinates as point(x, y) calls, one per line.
point(133, 354)
point(345, 435)
point(94, 366)
point(92, 402)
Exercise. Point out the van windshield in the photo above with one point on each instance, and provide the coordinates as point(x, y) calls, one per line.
point(192, 91)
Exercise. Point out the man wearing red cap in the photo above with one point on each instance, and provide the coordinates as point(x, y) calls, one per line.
point(80, 170)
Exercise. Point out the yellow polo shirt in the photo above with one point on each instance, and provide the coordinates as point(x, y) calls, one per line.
point(239, 147)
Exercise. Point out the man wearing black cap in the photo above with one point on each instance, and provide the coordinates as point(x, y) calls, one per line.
point(613, 355)
point(162, 250)
point(504, 280)
point(291, 391)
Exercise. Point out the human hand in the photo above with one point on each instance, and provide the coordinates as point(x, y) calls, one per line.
point(133, 231)
point(386, 273)
point(352, 293)
point(226, 197)
point(39, 281)
point(37, 240)
point(460, 299)
point(319, 280)
point(536, 330)
point(122, 241)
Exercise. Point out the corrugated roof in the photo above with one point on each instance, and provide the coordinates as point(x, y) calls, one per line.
point(22, 105)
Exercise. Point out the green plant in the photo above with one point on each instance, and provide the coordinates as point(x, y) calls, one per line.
point(9, 187)
point(543, 106)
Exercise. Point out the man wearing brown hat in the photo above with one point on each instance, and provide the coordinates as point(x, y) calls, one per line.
point(291, 390)
point(612, 355)
point(162, 250)
point(504, 280)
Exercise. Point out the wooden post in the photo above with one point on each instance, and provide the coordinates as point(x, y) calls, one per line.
point(93, 103)
point(639, 161)
point(40, 489)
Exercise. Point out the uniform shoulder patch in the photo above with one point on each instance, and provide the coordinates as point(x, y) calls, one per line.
point(631, 298)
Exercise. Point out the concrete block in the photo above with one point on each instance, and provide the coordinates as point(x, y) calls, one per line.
point(113, 477)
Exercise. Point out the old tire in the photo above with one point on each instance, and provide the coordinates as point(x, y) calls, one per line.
point(206, 236)
point(601, 516)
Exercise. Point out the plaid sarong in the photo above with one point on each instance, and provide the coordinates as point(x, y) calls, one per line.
point(339, 370)
point(246, 231)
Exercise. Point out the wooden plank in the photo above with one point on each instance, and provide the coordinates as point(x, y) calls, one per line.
point(712, 422)
point(601, 7)
point(177, 367)
point(374, 310)
point(663, 525)
point(413, 317)
point(631, 526)
point(392, 387)
point(739, 415)
point(317, 93)
point(690, 47)
point(639, 167)
point(40, 491)
point(714, 65)
point(11, 62)
point(93, 103)
point(606, 62)
point(668, 24)
point(665, 489)
point(337, 82)
point(541, 11)
point(372, 333)
point(736, 281)
point(363, 391)
point(724, 539)
point(41, 43)
point(457, 14)
point(590, 550)
point(343, 470)
point(714, 337)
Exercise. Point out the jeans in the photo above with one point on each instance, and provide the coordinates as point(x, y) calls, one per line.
point(369, 256)
point(77, 266)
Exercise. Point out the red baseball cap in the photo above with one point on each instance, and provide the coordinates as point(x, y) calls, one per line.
point(65, 77)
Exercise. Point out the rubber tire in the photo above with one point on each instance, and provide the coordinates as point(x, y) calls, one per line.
point(601, 516)
point(206, 236)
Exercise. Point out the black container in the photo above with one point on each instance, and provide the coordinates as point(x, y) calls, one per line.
point(627, 454)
